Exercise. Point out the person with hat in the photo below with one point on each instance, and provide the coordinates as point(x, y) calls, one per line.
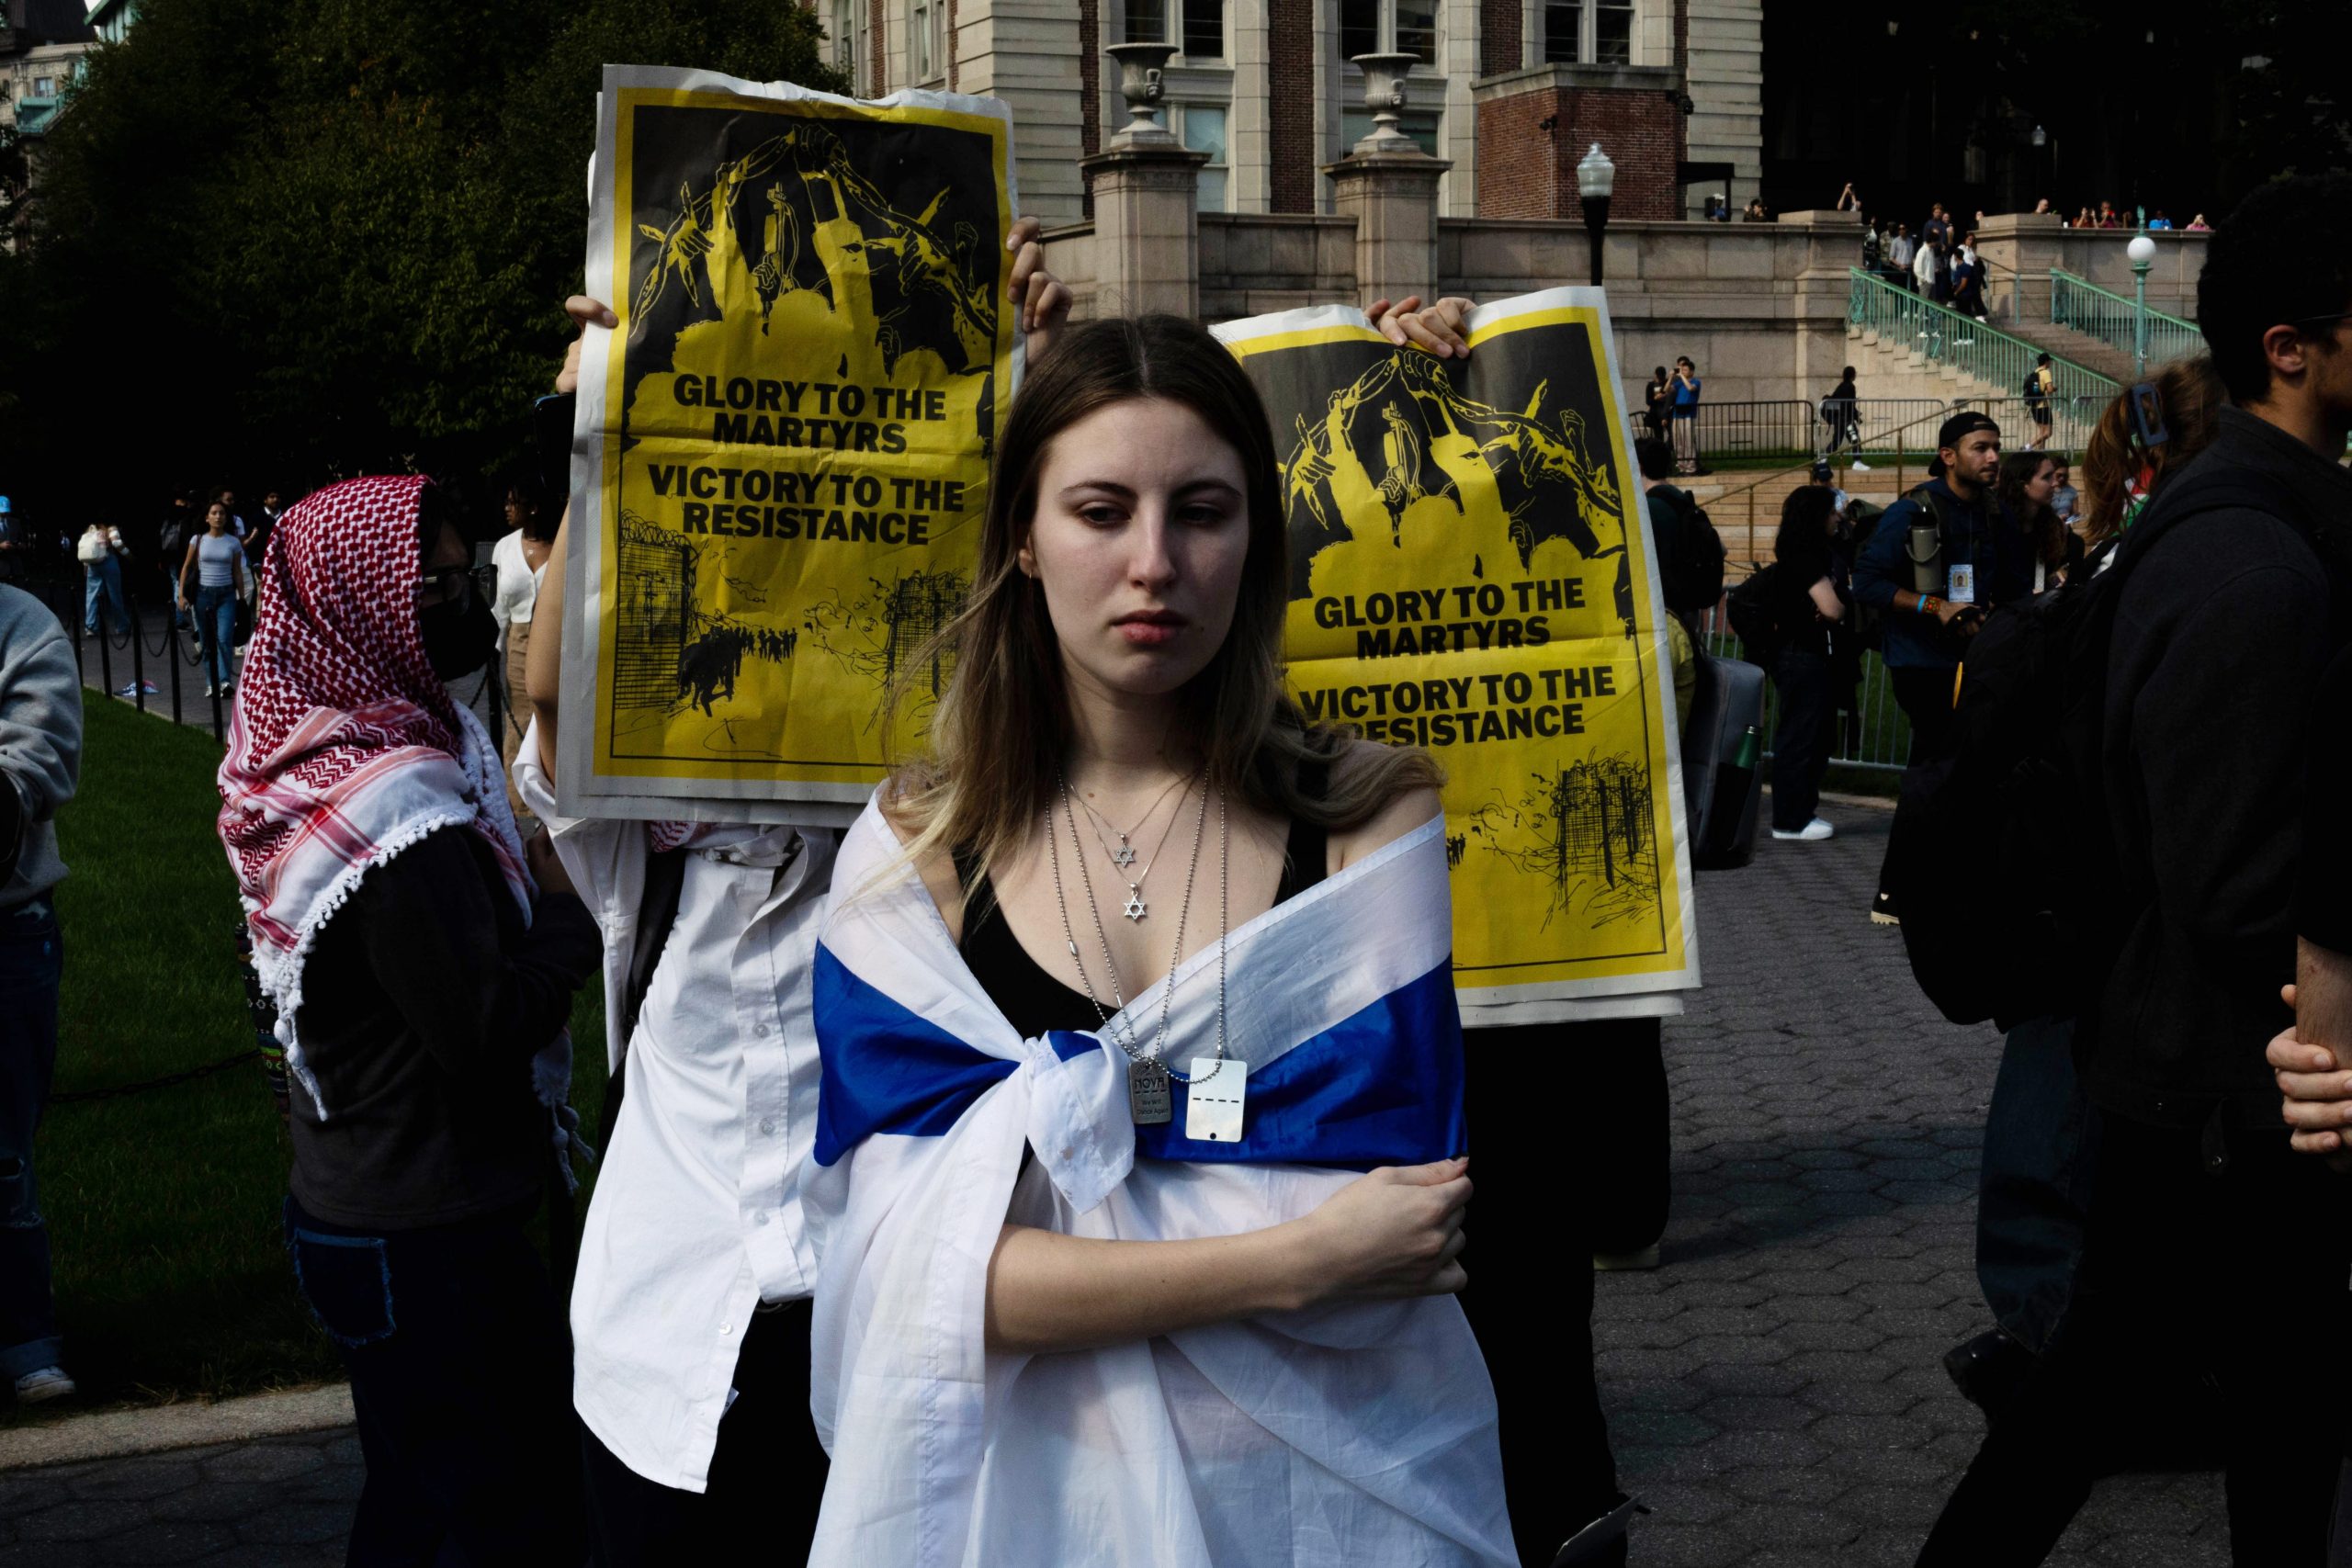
point(1931, 601)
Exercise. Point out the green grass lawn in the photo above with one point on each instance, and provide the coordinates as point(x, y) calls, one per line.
point(163, 1205)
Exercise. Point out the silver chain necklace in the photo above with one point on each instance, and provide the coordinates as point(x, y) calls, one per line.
point(1134, 908)
point(1125, 856)
point(1150, 1099)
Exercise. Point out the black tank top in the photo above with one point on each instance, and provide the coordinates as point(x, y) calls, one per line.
point(1036, 1002)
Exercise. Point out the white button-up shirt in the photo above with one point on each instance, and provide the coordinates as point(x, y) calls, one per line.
point(696, 1217)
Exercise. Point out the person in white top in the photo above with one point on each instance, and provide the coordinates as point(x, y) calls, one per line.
point(520, 560)
point(689, 1311)
point(102, 552)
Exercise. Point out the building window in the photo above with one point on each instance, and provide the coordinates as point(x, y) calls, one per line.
point(1421, 125)
point(1199, 31)
point(1201, 127)
point(1589, 32)
point(927, 40)
point(1388, 27)
point(44, 86)
point(845, 31)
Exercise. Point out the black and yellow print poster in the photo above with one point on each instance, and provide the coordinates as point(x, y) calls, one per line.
point(1468, 573)
point(781, 454)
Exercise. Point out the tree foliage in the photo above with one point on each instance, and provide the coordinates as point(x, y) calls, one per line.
point(276, 241)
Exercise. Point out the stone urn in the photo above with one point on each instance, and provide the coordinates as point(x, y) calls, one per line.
point(1384, 96)
point(1141, 83)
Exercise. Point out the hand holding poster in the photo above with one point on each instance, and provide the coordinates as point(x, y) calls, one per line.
point(780, 456)
point(1468, 573)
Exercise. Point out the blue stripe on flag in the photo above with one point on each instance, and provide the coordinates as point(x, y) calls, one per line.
point(1382, 1086)
point(886, 1069)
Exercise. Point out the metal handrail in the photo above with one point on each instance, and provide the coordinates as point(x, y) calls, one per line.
point(1975, 348)
point(2101, 313)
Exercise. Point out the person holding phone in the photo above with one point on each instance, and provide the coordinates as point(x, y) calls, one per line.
point(1684, 411)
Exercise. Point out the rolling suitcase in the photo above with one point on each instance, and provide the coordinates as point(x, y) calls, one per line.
point(1723, 774)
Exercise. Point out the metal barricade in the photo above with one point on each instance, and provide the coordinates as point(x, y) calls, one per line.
point(1876, 737)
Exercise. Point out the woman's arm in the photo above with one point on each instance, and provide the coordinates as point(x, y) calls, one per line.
point(187, 564)
point(1824, 599)
point(1394, 1232)
point(543, 661)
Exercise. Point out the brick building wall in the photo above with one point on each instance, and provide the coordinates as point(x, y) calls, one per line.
point(1502, 44)
point(1526, 170)
point(1292, 173)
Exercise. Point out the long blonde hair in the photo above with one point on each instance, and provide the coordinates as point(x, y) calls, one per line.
point(2114, 459)
point(1002, 726)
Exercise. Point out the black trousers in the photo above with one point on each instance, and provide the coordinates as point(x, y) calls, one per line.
point(460, 1366)
point(1577, 1168)
point(2226, 1270)
point(1802, 738)
point(1925, 697)
point(766, 1478)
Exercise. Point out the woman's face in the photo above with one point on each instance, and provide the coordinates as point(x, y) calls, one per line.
point(1141, 527)
point(2040, 484)
point(216, 517)
point(518, 514)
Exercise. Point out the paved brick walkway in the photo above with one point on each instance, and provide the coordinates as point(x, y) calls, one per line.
point(1774, 1391)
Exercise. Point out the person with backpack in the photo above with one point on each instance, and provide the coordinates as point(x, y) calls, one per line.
point(1837, 412)
point(1815, 660)
point(1934, 567)
point(2199, 648)
point(2040, 383)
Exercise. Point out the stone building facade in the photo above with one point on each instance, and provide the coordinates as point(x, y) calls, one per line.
point(1509, 92)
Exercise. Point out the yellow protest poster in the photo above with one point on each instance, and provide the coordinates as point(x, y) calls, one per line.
point(1469, 573)
point(781, 454)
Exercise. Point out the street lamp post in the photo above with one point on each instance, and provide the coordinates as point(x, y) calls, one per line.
point(1596, 178)
point(2143, 252)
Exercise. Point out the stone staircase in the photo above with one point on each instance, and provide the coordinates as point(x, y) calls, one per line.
point(1886, 368)
point(2090, 353)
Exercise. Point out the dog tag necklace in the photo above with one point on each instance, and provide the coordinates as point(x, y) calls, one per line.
point(1150, 1099)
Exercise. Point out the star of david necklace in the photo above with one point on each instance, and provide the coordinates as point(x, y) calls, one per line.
point(1150, 1102)
point(1135, 908)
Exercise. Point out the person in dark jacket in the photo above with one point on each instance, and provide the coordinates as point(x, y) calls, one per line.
point(1976, 565)
point(2204, 1224)
point(1813, 670)
point(424, 964)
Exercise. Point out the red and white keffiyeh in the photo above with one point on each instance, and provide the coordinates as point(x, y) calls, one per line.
point(345, 748)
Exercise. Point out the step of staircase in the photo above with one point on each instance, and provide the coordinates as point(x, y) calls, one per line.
point(2090, 353)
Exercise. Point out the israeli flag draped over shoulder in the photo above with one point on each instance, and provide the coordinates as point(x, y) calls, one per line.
point(1360, 1434)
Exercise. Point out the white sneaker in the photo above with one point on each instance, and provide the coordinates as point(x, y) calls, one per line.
point(43, 1384)
point(210, 690)
point(1812, 832)
point(1859, 467)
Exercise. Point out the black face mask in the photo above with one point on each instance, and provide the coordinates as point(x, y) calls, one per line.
point(458, 638)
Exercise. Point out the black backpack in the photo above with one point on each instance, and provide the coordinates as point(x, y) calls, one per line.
point(1691, 576)
point(2003, 864)
point(1749, 607)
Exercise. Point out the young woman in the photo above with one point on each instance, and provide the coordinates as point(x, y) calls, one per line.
point(1142, 1072)
point(218, 560)
point(1815, 667)
point(422, 982)
point(2120, 471)
point(2027, 481)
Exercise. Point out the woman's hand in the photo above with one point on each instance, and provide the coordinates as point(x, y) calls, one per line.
point(587, 312)
point(1394, 1232)
point(1039, 299)
point(2316, 1094)
point(1443, 329)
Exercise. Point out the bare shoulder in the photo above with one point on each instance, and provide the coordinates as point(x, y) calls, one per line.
point(940, 877)
point(1405, 811)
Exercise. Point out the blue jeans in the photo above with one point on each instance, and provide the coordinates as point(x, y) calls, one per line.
point(216, 623)
point(32, 959)
point(103, 578)
point(2033, 1195)
point(460, 1366)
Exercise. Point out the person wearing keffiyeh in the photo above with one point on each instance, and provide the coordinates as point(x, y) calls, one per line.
point(421, 960)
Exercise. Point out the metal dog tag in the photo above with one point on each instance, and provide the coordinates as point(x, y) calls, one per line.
point(1213, 1107)
point(1148, 1098)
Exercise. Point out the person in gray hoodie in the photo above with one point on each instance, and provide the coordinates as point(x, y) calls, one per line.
point(40, 757)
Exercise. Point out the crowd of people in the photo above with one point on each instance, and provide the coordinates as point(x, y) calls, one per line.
point(881, 1268)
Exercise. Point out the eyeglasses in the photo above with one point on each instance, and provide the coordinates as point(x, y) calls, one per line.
point(2321, 321)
